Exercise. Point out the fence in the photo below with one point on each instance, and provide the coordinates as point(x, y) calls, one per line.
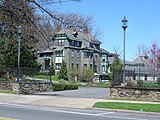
point(117, 76)
point(26, 74)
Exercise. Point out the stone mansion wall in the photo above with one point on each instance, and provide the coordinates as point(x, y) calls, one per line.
point(151, 94)
point(26, 87)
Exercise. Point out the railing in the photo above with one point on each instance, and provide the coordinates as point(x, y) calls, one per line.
point(117, 76)
point(26, 74)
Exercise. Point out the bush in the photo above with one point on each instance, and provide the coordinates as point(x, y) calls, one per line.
point(63, 86)
point(43, 73)
point(140, 83)
point(151, 85)
point(132, 83)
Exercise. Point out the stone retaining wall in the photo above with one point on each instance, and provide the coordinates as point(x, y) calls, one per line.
point(26, 87)
point(151, 94)
point(6, 86)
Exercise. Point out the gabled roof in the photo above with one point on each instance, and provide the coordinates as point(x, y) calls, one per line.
point(143, 62)
point(85, 38)
point(48, 51)
point(81, 36)
point(104, 51)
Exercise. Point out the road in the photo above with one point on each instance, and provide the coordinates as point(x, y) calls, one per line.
point(83, 92)
point(28, 112)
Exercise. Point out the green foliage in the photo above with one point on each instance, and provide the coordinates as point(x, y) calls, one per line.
point(63, 71)
point(7, 77)
point(27, 58)
point(100, 85)
point(110, 75)
point(42, 73)
point(87, 75)
point(74, 73)
point(140, 83)
point(10, 18)
point(63, 86)
point(129, 106)
point(151, 85)
point(51, 69)
point(117, 66)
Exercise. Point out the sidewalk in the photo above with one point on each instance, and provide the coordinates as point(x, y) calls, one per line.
point(57, 101)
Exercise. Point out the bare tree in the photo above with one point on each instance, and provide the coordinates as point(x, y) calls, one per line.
point(142, 49)
point(153, 57)
point(52, 26)
point(23, 12)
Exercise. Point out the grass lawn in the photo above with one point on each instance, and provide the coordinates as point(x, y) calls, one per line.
point(129, 106)
point(7, 118)
point(46, 77)
point(6, 91)
point(55, 78)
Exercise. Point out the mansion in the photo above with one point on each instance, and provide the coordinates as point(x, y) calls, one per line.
point(78, 49)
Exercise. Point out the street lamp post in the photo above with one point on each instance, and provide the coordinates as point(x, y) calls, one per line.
point(19, 31)
point(124, 26)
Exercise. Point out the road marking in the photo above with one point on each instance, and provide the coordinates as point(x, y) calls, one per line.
point(4, 118)
point(106, 113)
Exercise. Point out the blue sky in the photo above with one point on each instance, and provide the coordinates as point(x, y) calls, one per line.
point(142, 15)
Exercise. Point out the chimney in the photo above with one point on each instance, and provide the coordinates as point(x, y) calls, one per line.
point(85, 29)
point(74, 31)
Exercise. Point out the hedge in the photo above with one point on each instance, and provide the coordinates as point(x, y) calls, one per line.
point(43, 73)
point(63, 86)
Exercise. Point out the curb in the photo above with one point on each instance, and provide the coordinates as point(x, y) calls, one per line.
point(126, 111)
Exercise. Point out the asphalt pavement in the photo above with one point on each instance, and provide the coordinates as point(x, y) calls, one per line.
point(82, 92)
point(32, 112)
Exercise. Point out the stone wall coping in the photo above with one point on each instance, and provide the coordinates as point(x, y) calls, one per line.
point(7, 82)
point(41, 82)
point(137, 88)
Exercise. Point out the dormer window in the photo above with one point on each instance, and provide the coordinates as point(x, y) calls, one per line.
point(60, 42)
point(72, 42)
point(60, 37)
point(75, 43)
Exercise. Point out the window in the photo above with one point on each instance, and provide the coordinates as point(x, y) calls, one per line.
point(88, 54)
point(77, 53)
point(77, 66)
point(91, 54)
point(59, 53)
point(96, 57)
point(95, 68)
point(103, 60)
point(91, 65)
point(60, 42)
point(73, 43)
point(72, 65)
point(91, 45)
point(60, 36)
point(85, 55)
point(58, 66)
point(103, 69)
point(85, 66)
point(78, 44)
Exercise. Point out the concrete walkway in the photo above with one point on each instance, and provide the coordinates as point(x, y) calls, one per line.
point(57, 101)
